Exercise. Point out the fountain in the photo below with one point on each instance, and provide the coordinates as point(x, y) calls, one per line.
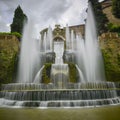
point(61, 73)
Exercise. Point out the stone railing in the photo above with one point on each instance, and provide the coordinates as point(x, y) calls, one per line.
point(6, 37)
point(109, 35)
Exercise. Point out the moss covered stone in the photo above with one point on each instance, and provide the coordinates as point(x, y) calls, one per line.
point(46, 73)
point(73, 74)
point(6, 34)
point(111, 53)
point(9, 48)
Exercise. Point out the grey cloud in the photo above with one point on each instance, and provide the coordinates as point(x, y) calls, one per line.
point(43, 12)
point(56, 10)
point(3, 27)
point(46, 9)
point(7, 8)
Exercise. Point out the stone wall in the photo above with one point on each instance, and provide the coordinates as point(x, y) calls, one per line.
point(107, 9)
point(106, 3)
point(110, 46)
point(106, 37)
point(9, 48)
point(79, 29)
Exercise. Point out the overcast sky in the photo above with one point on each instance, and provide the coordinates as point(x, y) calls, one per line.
point(44, 12)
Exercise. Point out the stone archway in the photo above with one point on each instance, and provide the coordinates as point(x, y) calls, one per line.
point(58, 38)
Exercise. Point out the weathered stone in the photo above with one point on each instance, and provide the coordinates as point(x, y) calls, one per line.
point(9, 48)
point(110, 45)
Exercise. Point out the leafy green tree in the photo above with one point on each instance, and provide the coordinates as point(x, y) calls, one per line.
point(101, 19)
point(116, 8)
point(18, 20)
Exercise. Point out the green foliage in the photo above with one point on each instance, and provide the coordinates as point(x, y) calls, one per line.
point(8, 60)
point(107, 57)
point(114, 28)
point(101, 19)
point(111, 56)
point(118, 58)
point(72, 73)
point(8, 65)
point(18, 20)
point(18, 35)
point(116, 8)
point(5, 33)
point(46, 73)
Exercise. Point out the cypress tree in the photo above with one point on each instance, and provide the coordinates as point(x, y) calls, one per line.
point(18, 20)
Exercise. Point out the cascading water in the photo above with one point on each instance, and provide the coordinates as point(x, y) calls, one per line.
point(45, 42)
point(60, 75)
point(29, 62)
point(72, 40)
point(38, 76)
point(88, 55)
point(59, 49)
point(94, 68)
point(80, 57)
point(59, 70)
point(68, 40)
point(57, 91)
point(49, 39)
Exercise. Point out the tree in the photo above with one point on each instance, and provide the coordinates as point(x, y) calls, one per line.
point(101, 19)
point(116, 8)
point(18, 20)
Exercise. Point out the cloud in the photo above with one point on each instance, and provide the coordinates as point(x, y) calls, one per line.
point(45, 12)
point(7, 8)
point(76, 13)
point(3, 27)
point(51, 12)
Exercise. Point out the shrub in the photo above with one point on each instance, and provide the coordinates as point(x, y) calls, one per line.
point(72, 73)
point(18, 35)
point(46, 73)
point(114, 28)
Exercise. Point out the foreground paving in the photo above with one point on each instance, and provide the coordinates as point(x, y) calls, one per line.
point(101, 113)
